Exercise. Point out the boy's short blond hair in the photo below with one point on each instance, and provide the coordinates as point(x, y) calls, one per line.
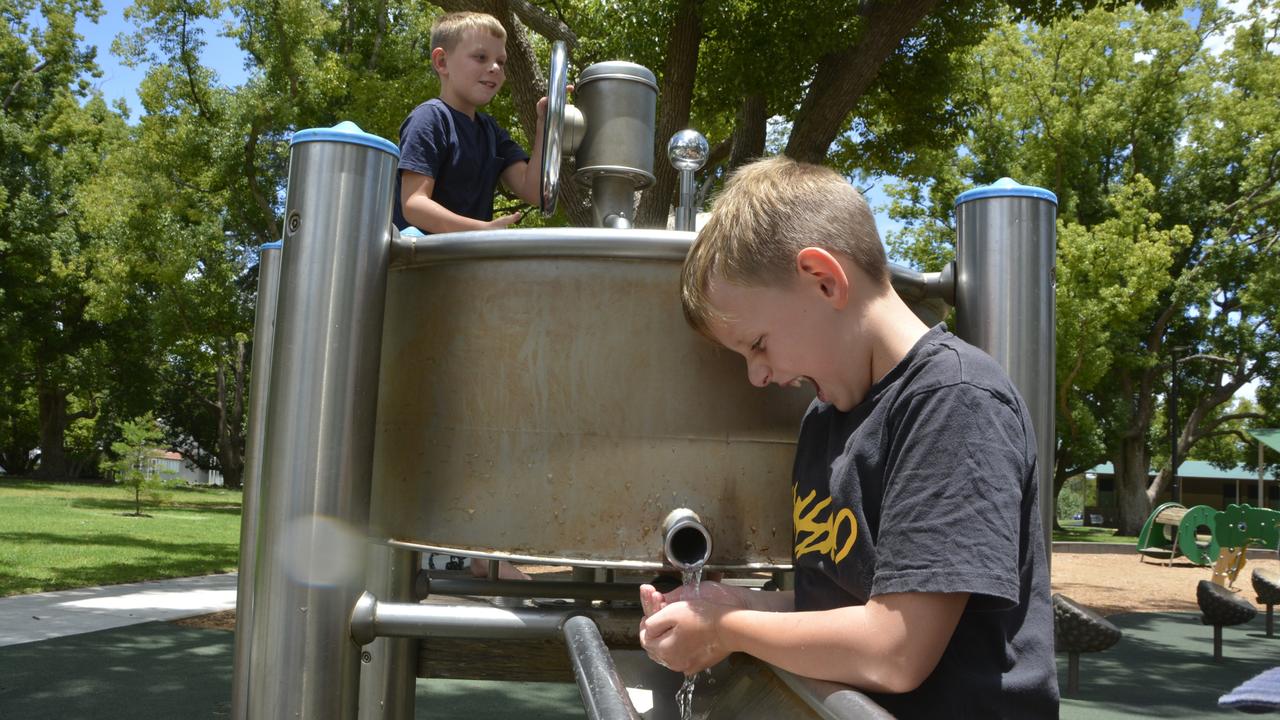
point(767, 213)
point(448, 29)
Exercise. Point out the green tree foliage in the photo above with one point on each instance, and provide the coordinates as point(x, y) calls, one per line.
point(1163, 157)
point(55, 369)
point(133, 466)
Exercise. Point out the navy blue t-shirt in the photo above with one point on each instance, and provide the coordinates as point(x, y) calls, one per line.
point(929, 485)
point(465, 157)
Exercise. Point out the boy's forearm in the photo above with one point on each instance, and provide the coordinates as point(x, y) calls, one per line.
point(867, 646)
point(832, 645)
point(425, 213)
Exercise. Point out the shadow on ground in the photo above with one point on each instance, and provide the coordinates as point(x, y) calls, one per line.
point(1163, 667)
point(163, 670)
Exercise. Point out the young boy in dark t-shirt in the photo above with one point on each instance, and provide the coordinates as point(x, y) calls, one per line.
point(919, 556)
point(451, 155)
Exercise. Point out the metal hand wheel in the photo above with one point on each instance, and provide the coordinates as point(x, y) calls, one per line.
point(553, 131)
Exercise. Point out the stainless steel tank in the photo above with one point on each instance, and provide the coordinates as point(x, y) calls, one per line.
point(542, 398)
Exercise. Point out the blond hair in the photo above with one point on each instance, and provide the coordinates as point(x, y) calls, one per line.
point(767, 213)
point(448, 29)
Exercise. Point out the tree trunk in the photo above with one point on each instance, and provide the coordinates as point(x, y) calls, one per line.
point(749, 133)
point(1059, 479)
point(53, 429)
point(1132, 494)
point(844, 76)
point(231, 396)
point(675, 89)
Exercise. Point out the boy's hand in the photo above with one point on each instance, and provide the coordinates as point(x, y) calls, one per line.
point(683, 635)
point(504, 221)
point(542, 103)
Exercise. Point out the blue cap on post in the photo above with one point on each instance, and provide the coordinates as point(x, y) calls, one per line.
point(347, 132)
point(1006, 187)
point(273, 245)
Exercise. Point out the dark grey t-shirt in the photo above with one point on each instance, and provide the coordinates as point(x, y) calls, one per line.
point(929, 485)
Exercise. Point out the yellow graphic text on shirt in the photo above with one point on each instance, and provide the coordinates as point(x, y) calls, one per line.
point(818, 530)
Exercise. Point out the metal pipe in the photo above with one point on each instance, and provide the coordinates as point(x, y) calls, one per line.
point(264, 325)
point(613, 198)
point(533, 589)
point(604, 697)
point(318, 447)
point(686, 543)
point(372, 618)
point(388, 681)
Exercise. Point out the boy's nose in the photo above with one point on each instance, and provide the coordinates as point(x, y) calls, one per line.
point(758, 374)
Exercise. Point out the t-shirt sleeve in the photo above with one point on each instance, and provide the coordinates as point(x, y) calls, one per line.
point(423, 139)
point(509, 150)
point(950, 518)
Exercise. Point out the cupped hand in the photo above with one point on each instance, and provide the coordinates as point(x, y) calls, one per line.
point(684, 635)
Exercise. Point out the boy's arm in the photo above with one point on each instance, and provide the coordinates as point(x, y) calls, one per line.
point(525, 178)
point(891, 644)
point(423, 212)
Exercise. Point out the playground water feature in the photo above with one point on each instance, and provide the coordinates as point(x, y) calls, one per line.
point(415, 380)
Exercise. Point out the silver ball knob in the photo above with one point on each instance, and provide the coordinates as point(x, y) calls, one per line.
point(688, 150)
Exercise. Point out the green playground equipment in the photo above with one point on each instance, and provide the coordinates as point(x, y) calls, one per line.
point(1174, 530)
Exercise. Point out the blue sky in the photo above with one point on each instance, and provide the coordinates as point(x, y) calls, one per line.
point(117, 81)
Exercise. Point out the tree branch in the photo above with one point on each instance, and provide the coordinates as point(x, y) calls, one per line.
point(844, 76)
point(13, 91)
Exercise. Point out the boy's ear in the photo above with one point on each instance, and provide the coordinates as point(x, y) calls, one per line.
point(821, 270)
point(438, 57)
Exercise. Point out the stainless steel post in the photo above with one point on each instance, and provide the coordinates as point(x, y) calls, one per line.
point(687, 150)
point(318, 446)
point(264, 324)
point(1005, 301)
point(388, 680)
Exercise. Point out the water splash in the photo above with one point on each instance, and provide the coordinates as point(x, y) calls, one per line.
point(691, 579)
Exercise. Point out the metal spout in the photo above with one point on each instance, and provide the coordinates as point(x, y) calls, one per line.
point(686, 542)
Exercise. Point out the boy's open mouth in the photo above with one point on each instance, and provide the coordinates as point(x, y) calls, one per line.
point(800, 381)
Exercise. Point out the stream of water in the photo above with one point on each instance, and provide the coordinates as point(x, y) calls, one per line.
point(691, 579)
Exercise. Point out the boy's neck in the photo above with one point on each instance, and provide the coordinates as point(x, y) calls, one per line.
point(892, 328)
point(452, 100)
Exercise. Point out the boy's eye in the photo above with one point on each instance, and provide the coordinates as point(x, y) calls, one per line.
point(758, 345)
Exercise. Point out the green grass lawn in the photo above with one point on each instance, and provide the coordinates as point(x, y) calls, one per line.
point(1076, 533)
point(55, 536)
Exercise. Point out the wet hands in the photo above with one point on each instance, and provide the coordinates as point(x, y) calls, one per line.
point(684, 634)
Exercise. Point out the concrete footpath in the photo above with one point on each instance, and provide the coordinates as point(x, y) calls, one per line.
point(43, 616)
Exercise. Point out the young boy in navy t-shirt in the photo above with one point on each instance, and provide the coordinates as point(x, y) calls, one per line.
point(451, 155)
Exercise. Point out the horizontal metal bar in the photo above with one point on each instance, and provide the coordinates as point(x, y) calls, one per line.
point(533, 588)
point(638, 565)
point(372, 618)
point(604, 697)
point(604, 243)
